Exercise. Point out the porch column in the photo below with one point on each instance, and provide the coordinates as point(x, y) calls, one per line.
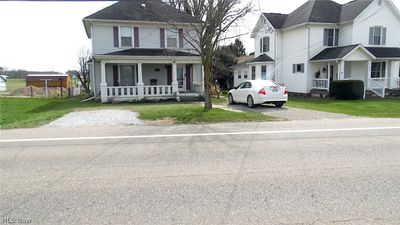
point(103, 83)
point(329, 74)
point(174, 78)
point(341, 70)
point(368, 75)
point(140, 83)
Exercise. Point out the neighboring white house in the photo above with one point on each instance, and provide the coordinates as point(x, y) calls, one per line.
point(322, 41)
point(3, 82)
point(143, 49)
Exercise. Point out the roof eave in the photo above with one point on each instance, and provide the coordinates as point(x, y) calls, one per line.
point(142, 22)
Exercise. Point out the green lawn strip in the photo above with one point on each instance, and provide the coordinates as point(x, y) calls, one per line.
point(377, 108)
point(13, 84)
point(33, 112)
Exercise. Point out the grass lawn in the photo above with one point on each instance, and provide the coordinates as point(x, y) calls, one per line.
point(378, 108)
point(32, 112)
point(13, 84)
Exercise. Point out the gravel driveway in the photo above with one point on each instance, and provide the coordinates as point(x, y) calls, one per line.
point(97, 118)
point(285, 112)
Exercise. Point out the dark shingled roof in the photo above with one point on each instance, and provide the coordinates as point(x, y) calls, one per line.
point(262, 58)
point(154, 11)
point(380, 52)
point(334, 53)
point(150, 52)
point(319, 11)
point(276, 19)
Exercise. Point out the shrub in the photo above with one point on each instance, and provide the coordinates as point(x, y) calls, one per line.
point(347, 89)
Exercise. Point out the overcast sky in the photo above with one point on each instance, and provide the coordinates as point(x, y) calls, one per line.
point(48, 35)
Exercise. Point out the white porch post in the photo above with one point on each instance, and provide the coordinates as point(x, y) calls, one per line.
point(140, 83)
point(103, 83)
point(329, 74)
point(369, 69)
point(175, 78)
point(341, 70)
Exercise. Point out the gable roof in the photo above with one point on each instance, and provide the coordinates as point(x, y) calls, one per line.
point(276, 19)
point(143, 10)
point(319, 11)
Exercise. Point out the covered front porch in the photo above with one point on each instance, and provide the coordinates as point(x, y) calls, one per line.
point(136, 79)
point(355, 63)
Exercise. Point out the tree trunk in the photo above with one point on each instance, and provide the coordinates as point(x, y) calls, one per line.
point(207, 85)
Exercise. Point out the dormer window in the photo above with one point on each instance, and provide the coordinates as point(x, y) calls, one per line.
point(377, 35)
point(331, 37)
point(126, 36)
point(172, 39)
point(264, 45)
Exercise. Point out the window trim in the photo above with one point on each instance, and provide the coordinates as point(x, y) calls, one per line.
point(335, 40)
point(177, 37)
point(132, 37)
point(382, 36)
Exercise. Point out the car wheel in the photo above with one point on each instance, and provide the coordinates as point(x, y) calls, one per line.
point(279, 104)
point(250, 102)
point(230, 99)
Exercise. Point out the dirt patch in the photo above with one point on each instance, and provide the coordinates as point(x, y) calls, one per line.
point(163, 122)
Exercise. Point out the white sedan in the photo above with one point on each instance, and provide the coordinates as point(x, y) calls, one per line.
point(254, 92)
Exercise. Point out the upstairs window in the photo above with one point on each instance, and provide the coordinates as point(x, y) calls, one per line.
point(377, 35)
point(172, 39)
point(126, 36)
point(264, 44)
point(331, 37)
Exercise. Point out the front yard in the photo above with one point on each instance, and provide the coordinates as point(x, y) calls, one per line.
point(377, 108)
point(33, 112)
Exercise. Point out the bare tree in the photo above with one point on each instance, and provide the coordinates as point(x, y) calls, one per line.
point(83, 75)
point(217, 17)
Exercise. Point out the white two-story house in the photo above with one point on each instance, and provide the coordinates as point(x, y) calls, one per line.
point(143, 49)
point(323, 41)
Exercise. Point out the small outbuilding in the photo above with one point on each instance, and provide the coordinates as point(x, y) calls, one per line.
point(52, 80)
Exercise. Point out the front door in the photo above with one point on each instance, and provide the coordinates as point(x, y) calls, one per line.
point(169, 74)
point(189, 77)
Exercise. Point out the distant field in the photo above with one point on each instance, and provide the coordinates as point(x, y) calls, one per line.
point(13, 84)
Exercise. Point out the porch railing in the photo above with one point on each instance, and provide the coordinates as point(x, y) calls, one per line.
point(321, 84)
point(377, 86)
point(123, 91)
point(382, 81)
point(158, 90)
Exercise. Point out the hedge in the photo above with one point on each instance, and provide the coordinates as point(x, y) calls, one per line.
point(347, 89)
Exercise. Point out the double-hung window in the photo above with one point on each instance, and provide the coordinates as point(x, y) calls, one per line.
point(172, 39)
point(378, 70)
point(331, 37)
point(263, 72)
point(253, 72)
point(377, 35)
point(126, 36)
point(264, 44)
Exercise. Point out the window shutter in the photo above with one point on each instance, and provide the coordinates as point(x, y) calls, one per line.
point(180, 38)
point(302, 67)
point(326, 34)
point(162, 37)
point(371, 35)
point(268, 44)
point(136, 36)
point(383, 36)
point(116, 37)
point(294, 68)
point(336, 37)
point(261, 45)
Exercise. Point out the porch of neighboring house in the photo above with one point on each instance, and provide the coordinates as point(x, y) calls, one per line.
point(378, 74)
point(134, 81)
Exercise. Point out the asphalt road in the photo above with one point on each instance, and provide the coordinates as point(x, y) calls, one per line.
point(298, 172)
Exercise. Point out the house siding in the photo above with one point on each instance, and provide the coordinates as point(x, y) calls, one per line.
point(382, 16)
point(294, 51)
